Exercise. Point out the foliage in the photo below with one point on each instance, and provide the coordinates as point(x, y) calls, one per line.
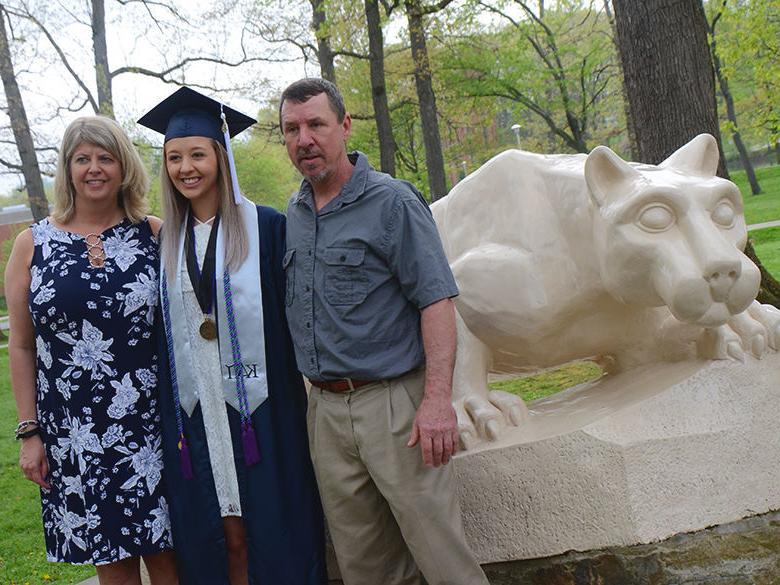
point(22, 552)
point(537, 386)
point(554, 69)
point(265, 173)
point(749, 46)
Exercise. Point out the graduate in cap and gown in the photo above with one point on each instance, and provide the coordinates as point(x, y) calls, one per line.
point(243, 500)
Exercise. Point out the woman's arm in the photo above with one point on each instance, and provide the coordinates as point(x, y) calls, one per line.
point(21, 353)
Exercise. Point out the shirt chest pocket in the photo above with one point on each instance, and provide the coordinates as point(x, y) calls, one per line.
point(346, 280)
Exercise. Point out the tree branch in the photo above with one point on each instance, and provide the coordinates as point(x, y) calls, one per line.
point(60, 53)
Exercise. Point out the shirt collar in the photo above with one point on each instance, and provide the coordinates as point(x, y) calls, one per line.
point(352, 190)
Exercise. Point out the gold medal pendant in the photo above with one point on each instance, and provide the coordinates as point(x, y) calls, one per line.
point(208, 329)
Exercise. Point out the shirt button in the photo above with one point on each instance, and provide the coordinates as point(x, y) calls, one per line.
point(311, 360)
point(309, 252)
point(308, 324)
point(307, 288)
point(342, 258)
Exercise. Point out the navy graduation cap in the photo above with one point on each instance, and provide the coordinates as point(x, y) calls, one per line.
point(188, 113)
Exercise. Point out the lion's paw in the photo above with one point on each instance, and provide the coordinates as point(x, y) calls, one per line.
point(769, 317)
point(513, 408)
point(753, 331)
point(481, 418)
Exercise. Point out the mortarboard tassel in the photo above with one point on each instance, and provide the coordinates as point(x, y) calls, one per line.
point(231, 161)
point(185, 463)
point(249, 440)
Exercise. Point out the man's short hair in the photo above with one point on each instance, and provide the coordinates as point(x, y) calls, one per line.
point(304, 89)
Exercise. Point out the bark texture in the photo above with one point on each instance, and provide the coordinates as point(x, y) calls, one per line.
point(434, 159)
point(324, 51)
point(102, 72)
point(376, 57)
point(668, 73)
point(21, 129)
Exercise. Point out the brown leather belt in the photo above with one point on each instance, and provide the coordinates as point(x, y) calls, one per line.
point(344, 385)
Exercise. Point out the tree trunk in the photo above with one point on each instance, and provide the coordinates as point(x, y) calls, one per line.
point(668, 74)
point(434, 159)
point(21, 128)
point(376, 55)
point(102, 73)
point(731, 113)
point(670, 84)
point(623, 94)
point(324, 52)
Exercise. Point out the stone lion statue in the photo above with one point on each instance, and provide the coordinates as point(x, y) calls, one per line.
point(568, 257)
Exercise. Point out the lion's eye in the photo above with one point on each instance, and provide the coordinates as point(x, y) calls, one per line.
point(656, 218)
point(724, 214)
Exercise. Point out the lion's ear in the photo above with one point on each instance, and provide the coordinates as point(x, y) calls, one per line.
point(699, 157)
point(608, 176)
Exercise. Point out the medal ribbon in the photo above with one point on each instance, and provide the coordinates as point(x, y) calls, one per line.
point(202, 279)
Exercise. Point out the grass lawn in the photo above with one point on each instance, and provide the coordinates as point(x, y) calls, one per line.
point(762, 208)
point(766, 206)
point(531, 388)
point(22, 553)
point(767, 245)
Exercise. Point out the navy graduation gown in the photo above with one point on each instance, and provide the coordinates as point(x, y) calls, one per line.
point(279, 500)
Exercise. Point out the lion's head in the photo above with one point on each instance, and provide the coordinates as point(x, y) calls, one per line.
point(672, 234)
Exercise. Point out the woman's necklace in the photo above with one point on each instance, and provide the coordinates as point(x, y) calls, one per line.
point(96, 254)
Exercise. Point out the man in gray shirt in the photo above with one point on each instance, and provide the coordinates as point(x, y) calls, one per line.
point(369, 306)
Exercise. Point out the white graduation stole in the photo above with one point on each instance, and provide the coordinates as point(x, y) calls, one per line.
point(246, 319)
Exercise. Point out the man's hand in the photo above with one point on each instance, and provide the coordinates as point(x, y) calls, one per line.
point(32, 460)
point(435, 428)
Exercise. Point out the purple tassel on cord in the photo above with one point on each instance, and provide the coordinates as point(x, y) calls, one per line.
point(185, 463)
point(251, 452)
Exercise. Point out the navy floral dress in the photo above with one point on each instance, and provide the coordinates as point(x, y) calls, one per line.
point(97, 394)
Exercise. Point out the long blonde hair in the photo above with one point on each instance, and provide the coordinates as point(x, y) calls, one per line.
point(104, 133)
point(175, 207)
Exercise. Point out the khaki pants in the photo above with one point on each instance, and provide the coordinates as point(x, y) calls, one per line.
point(388, 514)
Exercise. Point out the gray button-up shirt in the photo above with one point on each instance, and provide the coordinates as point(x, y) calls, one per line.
point(358, 273)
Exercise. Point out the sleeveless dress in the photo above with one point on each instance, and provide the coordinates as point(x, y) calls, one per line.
point(97, 394)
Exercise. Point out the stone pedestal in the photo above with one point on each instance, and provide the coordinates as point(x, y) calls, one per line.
point(631, 459)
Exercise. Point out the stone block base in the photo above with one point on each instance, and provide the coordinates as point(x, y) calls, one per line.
point(633, 458)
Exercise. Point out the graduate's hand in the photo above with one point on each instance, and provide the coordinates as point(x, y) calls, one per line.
point(32, 460)
point(435, 428)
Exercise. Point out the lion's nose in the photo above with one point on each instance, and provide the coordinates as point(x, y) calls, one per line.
point(721, 276)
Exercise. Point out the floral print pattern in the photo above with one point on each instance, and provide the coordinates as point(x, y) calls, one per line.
point(97, 394)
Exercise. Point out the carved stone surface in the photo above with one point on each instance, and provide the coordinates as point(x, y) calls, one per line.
point(634, 458)
point(565, 257)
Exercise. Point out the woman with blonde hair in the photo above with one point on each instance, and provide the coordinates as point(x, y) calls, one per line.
point(244, 503)
point(81, 295)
